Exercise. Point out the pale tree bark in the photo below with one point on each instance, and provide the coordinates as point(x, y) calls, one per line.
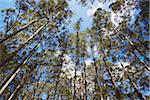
point(16, 70)
point(132, 44)
point(19, 30)
point(4, 63)
point(140, 95)
point(23, 80)
point(77, 64)
point(118, 95)
point(117, 91)
point(58, 76)
point(98, 89)
point(145, 65)
point(132, 32)
point(117, 32)
point(84, 72)
point(63, 44)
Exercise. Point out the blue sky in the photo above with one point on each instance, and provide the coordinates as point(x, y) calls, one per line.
point(79, 12)
point(3, 5)
point(6, 4)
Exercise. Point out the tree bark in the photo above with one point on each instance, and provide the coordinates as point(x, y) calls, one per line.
point(17, 69)
point(145, 65)
point(4, 63)
point(21, 83)
point(84, 68)
point(63, 44)
point(76, 63)
point(132, 44)
point(118, 95)
point(140, 95)
point(21, 29)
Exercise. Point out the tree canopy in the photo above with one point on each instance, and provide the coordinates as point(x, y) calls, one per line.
point(42, 58)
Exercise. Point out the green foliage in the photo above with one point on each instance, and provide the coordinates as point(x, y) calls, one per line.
point(104, 61)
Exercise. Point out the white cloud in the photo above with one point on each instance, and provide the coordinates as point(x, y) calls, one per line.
point(93, 9)
point(88, 62)
point(115, 18)
point(97, 4)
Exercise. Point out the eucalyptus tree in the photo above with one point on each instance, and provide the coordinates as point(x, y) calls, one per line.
point(135, 37)
point(49, 21)
point(77, 55)
point(40, 58)
point(125, 43)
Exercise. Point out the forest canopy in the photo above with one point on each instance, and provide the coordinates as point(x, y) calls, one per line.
point(46, 53)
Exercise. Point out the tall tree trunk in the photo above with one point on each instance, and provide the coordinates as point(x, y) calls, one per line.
point(132, 44)
point(77, 64)
point(17, 69)
point(23, 80)
point(21, 29)
point(132, 32)
point(58, 76)
point(4, 63)
point(118, 95)
point(145, 65)
point(36, 87)
point(74, 86)
point(84, 69)
point(140, 95)
point(98, 89)
point(63, 44)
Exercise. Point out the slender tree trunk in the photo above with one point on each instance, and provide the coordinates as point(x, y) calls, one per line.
point(21, 29)
point(145, 65)
point(21, 83)
point(77, 63)
point(147, 48)
point(140, 95)
point(17, 69)
point(74, 86)
point(133, 32)
point(118, 95)
point(112, 79)
point(98, 89)
point(64, 46)
point(131, 43)
point(84, 69)
point(4, 63)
